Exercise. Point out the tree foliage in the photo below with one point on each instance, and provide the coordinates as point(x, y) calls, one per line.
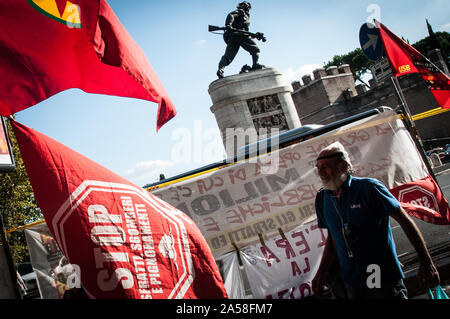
point(359, 63)
point(427, 44)
point(17, 203)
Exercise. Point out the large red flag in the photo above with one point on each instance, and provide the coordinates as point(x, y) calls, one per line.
point(404, 59)
point(47, 46)
point(127, 242)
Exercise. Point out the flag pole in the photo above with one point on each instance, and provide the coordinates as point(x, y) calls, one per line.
point(411, 126)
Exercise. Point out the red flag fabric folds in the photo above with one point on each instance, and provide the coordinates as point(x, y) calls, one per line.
point(424, 200)
point(48, 46)
point(127, 242)
point(405, 59)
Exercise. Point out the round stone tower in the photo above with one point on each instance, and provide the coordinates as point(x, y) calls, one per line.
point(252, 106)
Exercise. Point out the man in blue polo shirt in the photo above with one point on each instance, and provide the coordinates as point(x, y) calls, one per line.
point(356, 213)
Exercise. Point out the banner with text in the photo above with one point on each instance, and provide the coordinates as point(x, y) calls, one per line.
point(6, 155)
point(284, 267)
point(236, 204)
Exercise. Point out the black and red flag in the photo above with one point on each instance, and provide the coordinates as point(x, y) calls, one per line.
point(405, 59)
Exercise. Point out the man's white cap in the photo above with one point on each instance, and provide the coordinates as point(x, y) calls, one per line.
point(335, 149)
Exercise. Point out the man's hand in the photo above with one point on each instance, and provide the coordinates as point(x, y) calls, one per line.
point(328, 257)
point(428, 274)
point(318, 283)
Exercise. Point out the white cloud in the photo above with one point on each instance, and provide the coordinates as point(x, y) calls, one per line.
point(147, 172)
point(200, 42)
point(291, 75)
point(446, 27)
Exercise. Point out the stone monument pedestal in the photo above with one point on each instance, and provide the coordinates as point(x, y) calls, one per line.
point(249, 106)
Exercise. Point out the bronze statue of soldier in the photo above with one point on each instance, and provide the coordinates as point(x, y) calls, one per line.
point(237, 35)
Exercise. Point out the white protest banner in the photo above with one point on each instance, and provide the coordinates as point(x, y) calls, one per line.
point(236, 204)
point(231, 274)
point(283, 268)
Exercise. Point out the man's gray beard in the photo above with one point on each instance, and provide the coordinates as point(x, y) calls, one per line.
point(335, 183)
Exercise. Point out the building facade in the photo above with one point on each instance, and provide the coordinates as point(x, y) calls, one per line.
point(332, 95)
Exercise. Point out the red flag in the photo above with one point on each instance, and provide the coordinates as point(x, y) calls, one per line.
point(127, 242)
point(424, 200)
point(404, 59)
point(49, 46)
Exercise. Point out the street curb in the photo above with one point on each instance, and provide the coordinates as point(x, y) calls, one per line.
point(443, 169)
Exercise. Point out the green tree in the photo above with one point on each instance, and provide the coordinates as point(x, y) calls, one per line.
point(358, 62)
point(17, 203)
point(427, 44)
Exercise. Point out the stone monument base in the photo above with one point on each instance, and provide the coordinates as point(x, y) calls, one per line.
point(249, 106)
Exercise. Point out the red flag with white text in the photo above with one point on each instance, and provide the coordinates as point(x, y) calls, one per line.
point(424, 200)
point(48, 46)
point(405, 59)
point(127, 242)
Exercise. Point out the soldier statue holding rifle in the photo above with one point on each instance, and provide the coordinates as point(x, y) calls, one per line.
point(236, 35)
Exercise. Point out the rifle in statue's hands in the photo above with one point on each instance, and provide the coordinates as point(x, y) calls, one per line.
point(258, 35)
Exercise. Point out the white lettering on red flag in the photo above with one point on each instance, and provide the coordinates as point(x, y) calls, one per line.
point(127, 242)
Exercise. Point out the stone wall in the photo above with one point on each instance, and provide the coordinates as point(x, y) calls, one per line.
point(330, 86)
point(314, 109)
